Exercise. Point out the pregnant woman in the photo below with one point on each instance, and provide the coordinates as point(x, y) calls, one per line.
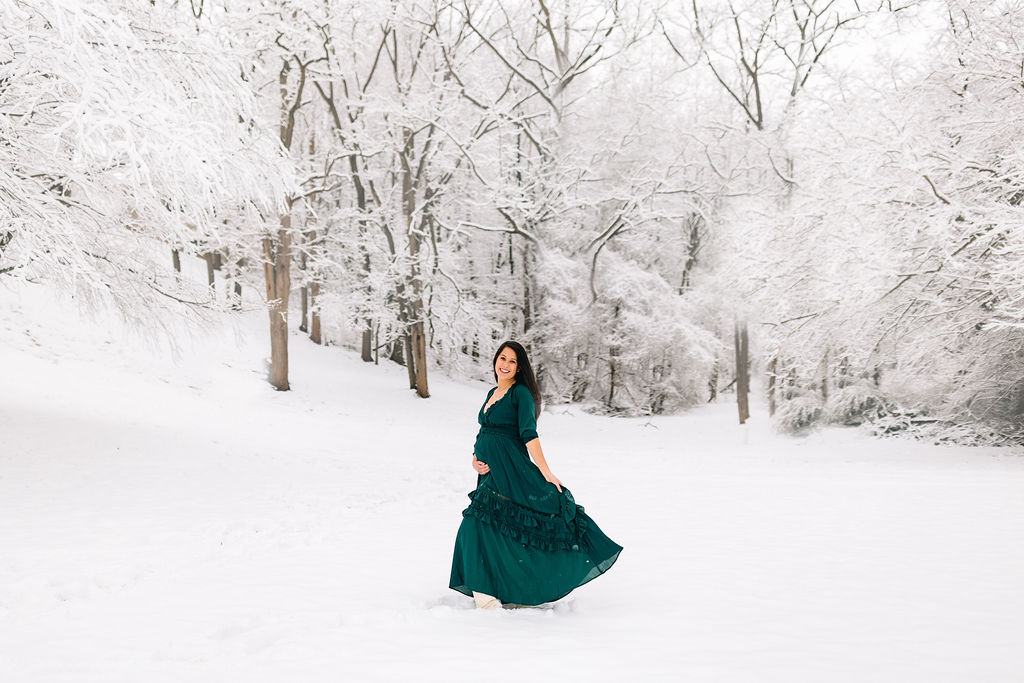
point(523, 539)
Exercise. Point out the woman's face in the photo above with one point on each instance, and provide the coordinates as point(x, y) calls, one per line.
point(505, 367)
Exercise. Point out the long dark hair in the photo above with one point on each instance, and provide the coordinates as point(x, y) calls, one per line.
point(524, 371)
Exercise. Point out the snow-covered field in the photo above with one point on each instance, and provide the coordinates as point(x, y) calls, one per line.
point(180, 521)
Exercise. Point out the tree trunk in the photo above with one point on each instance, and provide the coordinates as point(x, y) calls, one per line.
point(713, 382)
point(416, 340)
point(210, 268)
point(656, 397)
point(410, 360)
point(376, 348)
point(277, 273)
point(367, 354)
point(528, 288)
point(396, 352)
point(419, 349)
point(277, 263)
point(824, 376)
point(310, 289)
point(314, 327)
point(304, 291)
point(613, 360)
point(531, 304)
point(694, 223)
point(579, 381)
point(304, 322)
point(176, 260)
point(416, 346)
point(742, 371)
point(773, 366)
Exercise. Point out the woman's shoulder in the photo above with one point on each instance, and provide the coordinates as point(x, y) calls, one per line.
point(521, 390)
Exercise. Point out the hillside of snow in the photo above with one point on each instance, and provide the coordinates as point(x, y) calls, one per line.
point(177, 520)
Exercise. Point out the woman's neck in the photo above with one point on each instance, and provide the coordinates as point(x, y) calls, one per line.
point(505, 384)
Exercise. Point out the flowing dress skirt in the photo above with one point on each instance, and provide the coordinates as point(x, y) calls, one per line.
point(520, 539)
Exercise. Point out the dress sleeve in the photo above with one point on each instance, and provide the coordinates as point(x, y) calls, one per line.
point(525, 412)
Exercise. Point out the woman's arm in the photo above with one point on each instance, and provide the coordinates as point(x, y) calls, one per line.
point(526, 412)
point(538, 457)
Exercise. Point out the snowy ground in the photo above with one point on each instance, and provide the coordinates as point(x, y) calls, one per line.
point(166, 521)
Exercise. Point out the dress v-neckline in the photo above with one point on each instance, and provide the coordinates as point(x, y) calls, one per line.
point(489, 408)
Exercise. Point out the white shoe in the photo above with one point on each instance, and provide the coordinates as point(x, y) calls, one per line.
point(484, 601)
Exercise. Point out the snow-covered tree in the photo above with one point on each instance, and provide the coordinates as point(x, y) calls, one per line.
point(124, 132)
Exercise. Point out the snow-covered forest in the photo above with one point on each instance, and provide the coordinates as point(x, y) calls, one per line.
point(636, 190)
point(256, 256)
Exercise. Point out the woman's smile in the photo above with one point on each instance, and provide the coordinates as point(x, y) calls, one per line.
point(505, 365)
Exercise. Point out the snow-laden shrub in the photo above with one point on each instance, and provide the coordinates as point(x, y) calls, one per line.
point(855, 404)
point(940, 432)
point(634, 350)
point(799, 414)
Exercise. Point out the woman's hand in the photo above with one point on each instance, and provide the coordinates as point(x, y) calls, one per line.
point(551, 478)
point(480, 467)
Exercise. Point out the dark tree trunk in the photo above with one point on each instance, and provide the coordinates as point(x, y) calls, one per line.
point(691, 252)
point(742, 371)
point(176, 260)
point(308, 288)
point(211, 267)
point(304, 292)
point(367, 352)
point(531, 305)
point(613, 360)
point(713, 382)
point(611, 379)
point(656, 397)
point(314, 327)
point(579, 384)
point(418, 345)
point(376, 347)
point(311, 291)
point(528, 288)
point(234, 277)
point(410, 359)
point(396, 351)
point(824, 376)
point(773, 367)
point(304, 323)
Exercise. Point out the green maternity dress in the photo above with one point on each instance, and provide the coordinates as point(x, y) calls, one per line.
point(521, 540)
